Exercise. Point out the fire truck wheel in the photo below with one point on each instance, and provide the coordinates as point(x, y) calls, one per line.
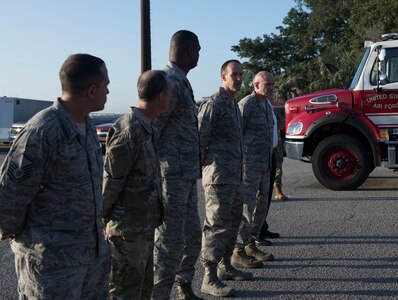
point(341, 162)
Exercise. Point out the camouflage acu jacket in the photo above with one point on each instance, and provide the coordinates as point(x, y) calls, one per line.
point(50, 191)
point(178, 130)
point(220, 131)
point(132, 187)
point(258, 127)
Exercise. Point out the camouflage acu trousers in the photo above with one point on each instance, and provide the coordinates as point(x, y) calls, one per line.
point(278, 163)
point(177, 240)
point(44, 280)
point(223, 216)
point(131, 274)
point(255, 204)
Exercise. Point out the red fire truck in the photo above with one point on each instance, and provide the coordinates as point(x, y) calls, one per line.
point(345, 134)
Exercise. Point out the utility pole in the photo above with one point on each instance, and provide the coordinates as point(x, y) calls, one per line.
point(145, 36)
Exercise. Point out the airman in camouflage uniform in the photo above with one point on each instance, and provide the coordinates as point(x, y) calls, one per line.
point(132, 190)
point(258, 125)
point(220, 129)
point(50, 192)
point(177, 240)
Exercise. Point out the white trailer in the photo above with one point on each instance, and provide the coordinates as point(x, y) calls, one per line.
point(17, 110)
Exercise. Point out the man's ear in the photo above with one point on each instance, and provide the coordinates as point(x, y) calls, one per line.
point(162, 96)
point(92, 89)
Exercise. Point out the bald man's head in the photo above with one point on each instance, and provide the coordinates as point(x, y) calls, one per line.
point(263, 75)
point(263, 84)
point(150, 84)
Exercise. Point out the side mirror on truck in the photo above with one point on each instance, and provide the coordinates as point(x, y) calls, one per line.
point(382, 67)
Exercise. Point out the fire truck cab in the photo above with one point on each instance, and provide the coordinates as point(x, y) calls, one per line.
point(345, 134)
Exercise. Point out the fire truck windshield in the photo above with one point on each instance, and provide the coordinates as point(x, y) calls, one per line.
point(358, 73)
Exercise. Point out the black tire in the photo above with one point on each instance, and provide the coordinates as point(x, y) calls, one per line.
point(341, 162)
point(371, 168)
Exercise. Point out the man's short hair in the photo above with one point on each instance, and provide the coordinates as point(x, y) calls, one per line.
point(225, 65)
point(182, 40)
point(79, 71)
point(151, 83)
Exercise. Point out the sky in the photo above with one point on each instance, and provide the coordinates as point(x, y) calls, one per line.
point(37, 36)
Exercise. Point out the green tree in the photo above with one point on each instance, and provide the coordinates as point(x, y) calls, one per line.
point(319, 43)
point(247, 84)
point(287, 87)
point(371, 18)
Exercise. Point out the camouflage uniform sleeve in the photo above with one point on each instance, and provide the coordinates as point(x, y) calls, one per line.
point(205, 120)
point(20, 178)
point(119, 159)
point(245, 113)
point(163, 118)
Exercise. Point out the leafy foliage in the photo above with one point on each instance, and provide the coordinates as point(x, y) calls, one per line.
point(319, 45)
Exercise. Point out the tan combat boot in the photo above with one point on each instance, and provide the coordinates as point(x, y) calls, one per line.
point(259, 255)
point(185, 292)
point(279, 195)
point(212, 285)
point(240, 259)
point(225, 271)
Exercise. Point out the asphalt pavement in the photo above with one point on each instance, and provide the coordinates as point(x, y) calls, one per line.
point(334, 245)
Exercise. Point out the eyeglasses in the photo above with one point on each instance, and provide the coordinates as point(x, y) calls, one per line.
point(267, 84)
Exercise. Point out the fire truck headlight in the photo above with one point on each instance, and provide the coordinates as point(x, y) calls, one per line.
point(384, 135)
point(294, 128)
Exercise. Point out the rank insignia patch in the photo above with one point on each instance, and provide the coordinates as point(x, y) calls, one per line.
point(20, 169)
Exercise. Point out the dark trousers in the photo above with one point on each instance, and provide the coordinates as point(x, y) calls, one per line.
point(264, 228)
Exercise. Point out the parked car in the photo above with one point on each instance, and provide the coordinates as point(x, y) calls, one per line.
point(102, 122)
point(102, 132)
point(103, 118)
